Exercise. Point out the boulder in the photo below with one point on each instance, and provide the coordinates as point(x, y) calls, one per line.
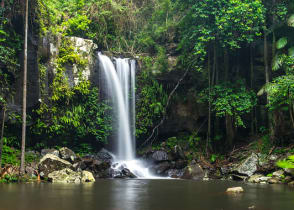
point(87, 177)
point(174, 173)
point(65, 175)
point(258, 178)
point(160, 168)
point(178, 153)
point(235, 190)
point(99, 168)
point(273, 181)
point(279, 174)
point(159, 156)
point(180, 164)
point(193, 171)
point(127, 173)
point(249, 166)
point(50, 163)
point(49, 151)
point(103, 155)
point(67, 154)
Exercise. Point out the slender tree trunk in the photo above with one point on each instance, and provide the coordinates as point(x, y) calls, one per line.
point(209, 104)
point(2, 135)
point(3, 3)
point(267, 80)
point(226, 64)
point(24, 111)
point(230, 130)
point(253, 115)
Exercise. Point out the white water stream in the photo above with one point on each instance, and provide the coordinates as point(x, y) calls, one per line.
point(120, 82)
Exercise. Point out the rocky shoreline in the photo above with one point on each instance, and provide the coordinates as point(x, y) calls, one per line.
point(64, 166)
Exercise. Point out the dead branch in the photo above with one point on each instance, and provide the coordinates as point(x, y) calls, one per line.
point(155, 129)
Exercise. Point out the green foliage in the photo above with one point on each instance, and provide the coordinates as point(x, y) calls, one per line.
point(231, 99)
point(10, 156)
point(73, 112)
point(69, 120)
point(9, 179)
point(151, 103)
point(228, 22)
point(288, 163)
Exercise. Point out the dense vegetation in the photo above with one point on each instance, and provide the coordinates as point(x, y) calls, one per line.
point(239, 55)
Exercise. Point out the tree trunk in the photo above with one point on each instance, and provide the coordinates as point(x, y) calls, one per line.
point(24, 111)
point(230, 130)
point(253, 115)
point(2, 135)
point(226, 64)
point(3, 3)
point(209, 103)
point(267, 80)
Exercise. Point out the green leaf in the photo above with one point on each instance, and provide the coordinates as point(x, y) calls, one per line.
point(291, 52)
point(282, 42)
point(291, 21)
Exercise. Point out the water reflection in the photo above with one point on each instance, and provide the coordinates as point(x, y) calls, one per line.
point(144, 195)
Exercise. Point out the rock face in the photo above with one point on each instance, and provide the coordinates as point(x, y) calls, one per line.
point(193, 171)
point(69, 176)
point(67, 154)
point(249, 166)
point(49, 151)
point(87, 177)
point(166, 161)
point(159, 156)
point(50, 163)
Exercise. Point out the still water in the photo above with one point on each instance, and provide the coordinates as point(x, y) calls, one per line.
point(144, 195)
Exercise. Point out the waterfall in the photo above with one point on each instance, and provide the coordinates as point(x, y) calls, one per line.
point(120, 83)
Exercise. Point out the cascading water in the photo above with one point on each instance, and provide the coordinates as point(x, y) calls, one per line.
point(120, 82)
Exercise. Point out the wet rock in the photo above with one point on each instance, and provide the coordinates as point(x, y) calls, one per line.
point(235, 190)
point(79, 166)
point(174, 173)
point(258, 178)
point(50, 163)
point(249, 166)
point(180, 164)
point(160, 168)
point(99, 168)
point(289, 171)
point(238, 177)
point(193, 171)
point(127, 173)
point(67, 154)
point(178, 153)
point(273, 157)
point(104, 155)
point(159, 156)
point(287, 179)
point(65, 176)
point(49, 151)
point(273, 181)
point(87, 177)
point(279, 174)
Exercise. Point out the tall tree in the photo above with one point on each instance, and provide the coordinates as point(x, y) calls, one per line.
point(24, 111)
point(2, 134)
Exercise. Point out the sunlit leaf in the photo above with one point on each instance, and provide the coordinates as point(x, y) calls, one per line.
point(277, 62)
point(291, 52)
point(291, 21)
point(282, 42)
